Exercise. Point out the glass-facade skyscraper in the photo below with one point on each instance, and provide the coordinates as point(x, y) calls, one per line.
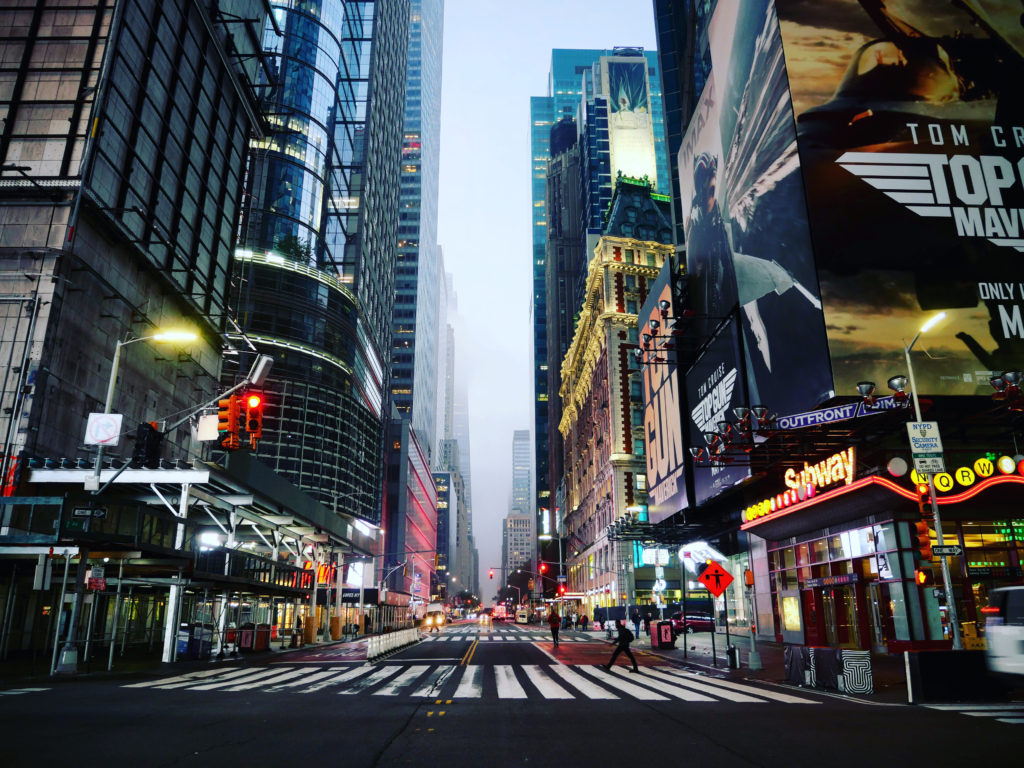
point(315, 267)
point(574, 90)
point(417, 312)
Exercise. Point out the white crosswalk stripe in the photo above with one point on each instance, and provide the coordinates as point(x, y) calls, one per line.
point(502, 681)
point(19, 691)
point(1011, 713)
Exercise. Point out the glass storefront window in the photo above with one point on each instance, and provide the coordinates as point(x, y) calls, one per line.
point(839, 546)
point(819, 551)
point(803, 554)
point(788, 558)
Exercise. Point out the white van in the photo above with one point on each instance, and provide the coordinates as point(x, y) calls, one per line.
point(1004, 630)
point(433, 619)
point(522, 616)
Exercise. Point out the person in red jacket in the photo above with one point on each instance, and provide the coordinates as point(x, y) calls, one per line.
point(554, 621)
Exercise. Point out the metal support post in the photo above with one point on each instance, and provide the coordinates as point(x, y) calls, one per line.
point(117, 616)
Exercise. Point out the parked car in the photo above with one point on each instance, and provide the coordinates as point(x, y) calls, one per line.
point(1004, 630)
point(695, 622)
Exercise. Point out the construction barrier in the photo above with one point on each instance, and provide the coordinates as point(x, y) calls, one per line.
point(378, 645)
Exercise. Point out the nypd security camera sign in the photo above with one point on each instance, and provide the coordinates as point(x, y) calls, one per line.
point(926, 447)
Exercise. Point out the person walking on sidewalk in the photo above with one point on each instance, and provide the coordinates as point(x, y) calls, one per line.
point(635, 618)
point(622, 646)
point(554, 620)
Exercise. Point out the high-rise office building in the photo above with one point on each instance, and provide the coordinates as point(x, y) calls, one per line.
point(315, 270)
point(518, 544)
point(123, 151)
point(522, 499)
point(580, 86)
point(418, 310)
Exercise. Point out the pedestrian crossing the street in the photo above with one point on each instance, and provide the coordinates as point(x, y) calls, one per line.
point(1011, 712)
point(499, 681)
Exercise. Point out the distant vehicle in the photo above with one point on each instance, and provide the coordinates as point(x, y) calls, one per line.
point(1004, 630)
point(500, 613)
point(695, 622)
point(434, 616)
point(485, 619)
point(522, 616)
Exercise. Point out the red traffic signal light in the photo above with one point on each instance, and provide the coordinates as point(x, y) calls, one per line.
point(254, 417)
point(924, 577)
point(491, 574)
point(543, 567)
point(561, 589)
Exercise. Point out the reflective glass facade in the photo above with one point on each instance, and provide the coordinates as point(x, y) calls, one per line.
point(416, 326)
point(316, 266)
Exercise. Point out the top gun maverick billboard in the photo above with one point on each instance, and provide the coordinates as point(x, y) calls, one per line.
point(910, 130)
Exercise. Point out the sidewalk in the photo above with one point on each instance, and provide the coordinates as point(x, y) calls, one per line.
point(18, 672)
point(890, 685)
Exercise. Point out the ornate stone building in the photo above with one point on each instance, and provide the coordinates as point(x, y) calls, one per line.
point(602, 418)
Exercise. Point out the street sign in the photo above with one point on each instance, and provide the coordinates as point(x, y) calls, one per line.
point(97, 584)
point(949, 550)
point(926, 447)
point(103, 428)
point(715, 578)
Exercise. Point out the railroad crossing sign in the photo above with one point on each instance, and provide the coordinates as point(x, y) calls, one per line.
point(715, 578)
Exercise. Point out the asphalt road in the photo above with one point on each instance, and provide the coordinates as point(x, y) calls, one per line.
point(474, 696)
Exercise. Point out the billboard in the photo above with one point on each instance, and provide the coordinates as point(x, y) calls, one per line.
point(630, 128)
point(663, 412)
point(910, 128)
point(714, 387)
point(748, 249)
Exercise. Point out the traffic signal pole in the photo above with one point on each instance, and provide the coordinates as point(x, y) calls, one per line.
point(947, 582)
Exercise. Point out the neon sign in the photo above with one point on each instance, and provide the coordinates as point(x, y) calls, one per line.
point(804, 484)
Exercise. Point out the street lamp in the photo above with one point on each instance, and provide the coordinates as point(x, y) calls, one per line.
point(172, 336)
point(69, 653)
point(519, 600)
point(947, 582)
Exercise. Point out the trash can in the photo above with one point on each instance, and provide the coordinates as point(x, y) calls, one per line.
point(184, 633)
point(246, 635)
point(732, 653)
point(662, 636)
point(261, 640)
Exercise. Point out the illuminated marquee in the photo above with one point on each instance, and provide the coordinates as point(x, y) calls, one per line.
point(804, 484)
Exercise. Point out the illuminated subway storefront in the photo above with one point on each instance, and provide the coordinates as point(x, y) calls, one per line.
point(842, 558)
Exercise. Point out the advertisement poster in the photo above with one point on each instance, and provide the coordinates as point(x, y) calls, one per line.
point(910, 128)
point(631, 132)
point(748, 246)
point(663, 412)
point(713, 388)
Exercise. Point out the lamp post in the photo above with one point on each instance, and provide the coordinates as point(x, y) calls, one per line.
point(69, 653)
point(112, 383)
point(519, 600)
point(947, 583)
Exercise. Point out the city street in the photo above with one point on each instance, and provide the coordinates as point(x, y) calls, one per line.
point(473, 695)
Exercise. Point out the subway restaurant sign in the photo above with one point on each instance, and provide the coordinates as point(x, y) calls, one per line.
point(803, 484)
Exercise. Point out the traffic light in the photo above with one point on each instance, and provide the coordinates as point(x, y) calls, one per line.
point(924, 499)
point(923, 540)
point(254, 417)
point(924, 577)
point(561, 590)
point(491, 574)
point(147, 446)
point(227, 421)
point(543, 567)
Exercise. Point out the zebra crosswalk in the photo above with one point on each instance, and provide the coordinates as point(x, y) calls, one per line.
point(1011, 712)
point(498, 681)
point(514, 637)
point(19, 691)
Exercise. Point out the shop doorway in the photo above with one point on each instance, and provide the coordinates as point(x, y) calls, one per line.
point(839, 605)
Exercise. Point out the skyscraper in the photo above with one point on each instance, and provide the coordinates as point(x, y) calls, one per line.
point(522, 499)
point(579, 87)
point(315, 273)
point(418, 275)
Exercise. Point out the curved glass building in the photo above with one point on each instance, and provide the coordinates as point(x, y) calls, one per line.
point(314, 273)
